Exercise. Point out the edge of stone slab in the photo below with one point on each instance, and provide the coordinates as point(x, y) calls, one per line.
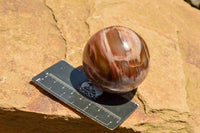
point(23, 121)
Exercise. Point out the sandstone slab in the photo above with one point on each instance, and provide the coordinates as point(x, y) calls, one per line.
point(30, 42)
point(37, 34)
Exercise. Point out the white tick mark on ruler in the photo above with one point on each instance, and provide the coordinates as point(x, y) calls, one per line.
point(38, 79)
point(60, 81)
point(62, 94)
point(85, 108)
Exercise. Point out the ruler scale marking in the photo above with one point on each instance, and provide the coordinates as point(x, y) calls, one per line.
point(101, 107)
point(56, 78)
point(74, 105)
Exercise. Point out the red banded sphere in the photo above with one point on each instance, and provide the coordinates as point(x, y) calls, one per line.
point(116, 59)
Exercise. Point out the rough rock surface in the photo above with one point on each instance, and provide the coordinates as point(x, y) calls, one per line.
point(36, 34)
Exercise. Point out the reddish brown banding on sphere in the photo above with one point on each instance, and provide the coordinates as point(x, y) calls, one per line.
point(116, 59)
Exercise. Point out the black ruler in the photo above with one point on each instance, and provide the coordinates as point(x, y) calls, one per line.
point(62, 80)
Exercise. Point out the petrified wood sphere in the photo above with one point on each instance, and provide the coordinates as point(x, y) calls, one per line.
point(116, 59)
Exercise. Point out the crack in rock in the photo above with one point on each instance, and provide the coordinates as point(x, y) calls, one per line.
point(86, 21)
point(90, 10)
point(143, 102)
point(56, 21)
point(164, 126)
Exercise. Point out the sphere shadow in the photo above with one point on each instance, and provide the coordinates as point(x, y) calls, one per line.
point(115, 99)
point(105, 98)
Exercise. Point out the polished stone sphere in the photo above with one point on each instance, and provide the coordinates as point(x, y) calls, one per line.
point(116, 59)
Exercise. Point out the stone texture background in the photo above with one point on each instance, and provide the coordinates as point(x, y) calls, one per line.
point(36, 34)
